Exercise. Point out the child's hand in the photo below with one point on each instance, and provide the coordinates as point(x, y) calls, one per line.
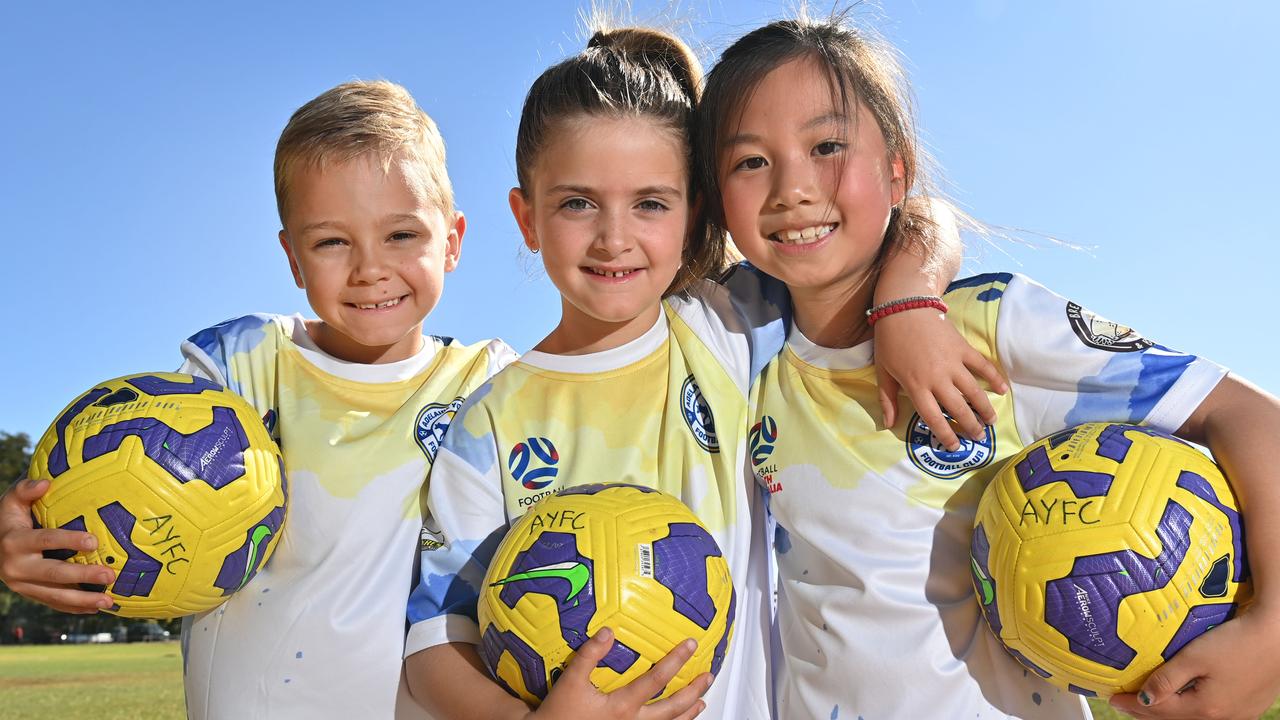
point(29, 573)
point(573, 695)
point(919, 351)
point(1233, 670)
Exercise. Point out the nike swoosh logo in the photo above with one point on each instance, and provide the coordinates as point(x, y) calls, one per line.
point(987, 588)
point(574, 573)
point(261, 534)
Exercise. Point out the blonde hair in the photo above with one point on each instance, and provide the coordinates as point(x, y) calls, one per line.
point(359, 118)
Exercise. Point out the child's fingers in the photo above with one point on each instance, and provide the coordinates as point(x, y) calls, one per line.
point(979, 365)
point(957, 406)
point(589, 654)
point(15, 504)
point(651, 683)
point(977, 399)
point(932, 416)
point(28, 490)
point(38, 541)
point(888, 388)
point(683, 703)
point(61, 572)
point(64, 598)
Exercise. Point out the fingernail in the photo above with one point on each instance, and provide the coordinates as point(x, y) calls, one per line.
point(89, 543)
point(605, 634)
point(689, 645)
point(105, 603)
point(1144, 698)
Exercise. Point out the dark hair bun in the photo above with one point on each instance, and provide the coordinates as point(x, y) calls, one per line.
point(654, 48)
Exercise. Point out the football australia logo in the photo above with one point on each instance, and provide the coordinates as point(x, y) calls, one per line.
point(1100, 333)
point(533, 462)
point(433, 421)
point(697, 415)
point(763, 438)
point(928, 454)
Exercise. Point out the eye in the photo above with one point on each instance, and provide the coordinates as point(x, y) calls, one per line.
point(576, 204)
point(403, 235)
point(651, 206)
point(755, 162)
point(329, 242)
point(828, 147)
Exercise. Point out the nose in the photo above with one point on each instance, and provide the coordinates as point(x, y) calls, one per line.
point(794, 184)
point(612, 236)
point(368, 266)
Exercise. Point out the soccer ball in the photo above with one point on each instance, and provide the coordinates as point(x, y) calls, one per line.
point(178, 479)
point(1100, 551)
point(608, 555)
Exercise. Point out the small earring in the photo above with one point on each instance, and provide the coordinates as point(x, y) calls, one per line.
point(534, 250)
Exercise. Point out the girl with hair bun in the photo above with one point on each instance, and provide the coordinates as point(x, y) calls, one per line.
point(644, 380)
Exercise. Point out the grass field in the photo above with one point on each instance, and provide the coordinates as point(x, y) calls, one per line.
point(137, 681)
point(133, 681)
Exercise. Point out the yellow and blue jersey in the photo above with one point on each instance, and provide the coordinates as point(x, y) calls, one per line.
point(876, 614)
point(667, 410)
point(319, 633)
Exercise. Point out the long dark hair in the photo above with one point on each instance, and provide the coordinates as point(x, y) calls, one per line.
point(864, 70)
point(625, 72)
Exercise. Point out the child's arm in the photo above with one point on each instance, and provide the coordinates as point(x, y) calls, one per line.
point(25, 569)
point(451, 682)
point(924, 353)
point(1235, 668)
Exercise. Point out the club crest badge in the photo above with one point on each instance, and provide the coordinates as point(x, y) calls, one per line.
point(433, 421)
point(1100, 333)
point(697, 415)
point(928, 454)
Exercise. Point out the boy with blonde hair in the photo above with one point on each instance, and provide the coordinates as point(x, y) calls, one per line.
point(358, 400)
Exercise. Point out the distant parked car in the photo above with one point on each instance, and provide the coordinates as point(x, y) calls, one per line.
point(147, 632)
point(102, 637)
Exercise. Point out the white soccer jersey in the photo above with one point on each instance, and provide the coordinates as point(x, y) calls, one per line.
point(877, 616)
point(319, 632)
point(668, 410)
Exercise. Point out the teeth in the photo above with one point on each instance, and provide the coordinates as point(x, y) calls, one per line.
point(803, 237)
point(607, 273)
point(389, 303)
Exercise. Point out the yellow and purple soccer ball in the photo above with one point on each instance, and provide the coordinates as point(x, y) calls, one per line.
point(625, 557)
point(178, 479)
point(1100, 551)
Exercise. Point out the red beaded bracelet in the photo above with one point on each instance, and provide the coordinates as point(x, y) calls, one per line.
point(914, 302)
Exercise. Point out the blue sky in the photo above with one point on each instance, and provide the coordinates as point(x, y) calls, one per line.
point(137, 141)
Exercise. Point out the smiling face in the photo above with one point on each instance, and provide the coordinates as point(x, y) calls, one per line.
point(371, 251)
point(808, 190)
point(608, 210)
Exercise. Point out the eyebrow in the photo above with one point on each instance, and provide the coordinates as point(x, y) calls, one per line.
point(666, 190)
point(337, 225)
point(832, 118)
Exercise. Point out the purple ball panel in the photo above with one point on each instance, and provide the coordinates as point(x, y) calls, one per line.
point(214, 453)
point(138, 575)
point(152, 385)
point(1084, 606)
point(1197, 622)
point(493, 643)
point(1201, 488)
point(680, 565)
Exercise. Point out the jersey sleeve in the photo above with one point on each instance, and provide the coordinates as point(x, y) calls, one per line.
point(1067, 365)
point(465, 521)
point(743, 319)
point(210, 352)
